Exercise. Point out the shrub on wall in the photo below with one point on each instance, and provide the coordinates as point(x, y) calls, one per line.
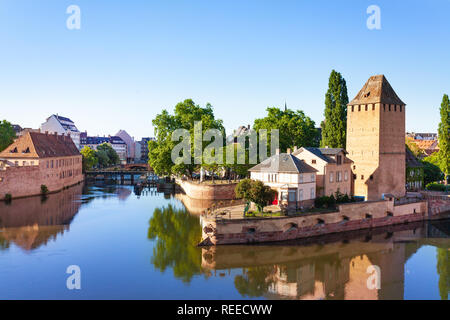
point(437, 187)
point(8, 198)
point(44, 189)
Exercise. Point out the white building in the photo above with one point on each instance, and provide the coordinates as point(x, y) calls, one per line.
point(292, 179)
point(61, 125)
point(116, 143)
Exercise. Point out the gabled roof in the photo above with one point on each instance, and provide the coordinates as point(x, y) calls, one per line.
point(411, 160)
point(283, 162)
point(325, 154)
point(377, 90)
point(66, 123)
point(40, 145)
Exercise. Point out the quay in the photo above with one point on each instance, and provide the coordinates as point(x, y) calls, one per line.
point(228, 228)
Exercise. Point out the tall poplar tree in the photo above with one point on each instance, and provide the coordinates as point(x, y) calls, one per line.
point(335, 124)
point(444, 136)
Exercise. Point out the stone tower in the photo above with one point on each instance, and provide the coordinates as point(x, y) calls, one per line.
point(376, 140)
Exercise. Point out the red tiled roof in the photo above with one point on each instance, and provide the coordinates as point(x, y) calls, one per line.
point(377, 90)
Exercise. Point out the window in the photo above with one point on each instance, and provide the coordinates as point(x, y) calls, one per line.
point(345, 175)
point(292, 196)
point(362, 177)
point(389, 107)
point(359, 108)
point(313, 161)
point(313, 193)
point(338, 176)
point(373, 106)
point(300, 195)
point(400, 108)
point(331, 176)
point(313, 177)
point(371, 177)
point(395, 108)
point(339, 159)
point(353, 108)
point(366, 107)
point(300, 179)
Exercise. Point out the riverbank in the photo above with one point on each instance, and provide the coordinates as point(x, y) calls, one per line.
point(233, 229)
point(208, 191)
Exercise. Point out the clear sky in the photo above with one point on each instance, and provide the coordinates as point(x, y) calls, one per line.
point(131, 59)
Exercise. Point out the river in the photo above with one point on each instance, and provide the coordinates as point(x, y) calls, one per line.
point(130, 246)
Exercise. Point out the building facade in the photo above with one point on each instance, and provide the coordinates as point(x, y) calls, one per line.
point(334, 172)
point(130, 145)
point(376, 140)
point(36, 159)
point(292, 179)
point(62, 126)
point(116, 143)
point(414, 172)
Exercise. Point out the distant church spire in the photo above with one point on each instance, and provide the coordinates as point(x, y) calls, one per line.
point(285, 105)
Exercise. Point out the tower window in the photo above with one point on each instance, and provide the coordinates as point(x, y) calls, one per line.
point(359, 108)
point(395, 107)
point(373, 106)
point(353, 108)
point(366, 107)
point(400, 108)
point(389, 107)
point(384, 107)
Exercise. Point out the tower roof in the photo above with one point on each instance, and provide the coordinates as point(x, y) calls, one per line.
point(377, 90)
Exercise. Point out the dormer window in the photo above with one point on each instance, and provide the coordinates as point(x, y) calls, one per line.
point(27, 150)
point(13, 150)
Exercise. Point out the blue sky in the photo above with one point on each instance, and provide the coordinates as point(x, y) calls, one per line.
point(131, 59)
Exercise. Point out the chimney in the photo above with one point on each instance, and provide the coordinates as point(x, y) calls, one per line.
point(288, 151)
point(295, 148)
point(277, 151)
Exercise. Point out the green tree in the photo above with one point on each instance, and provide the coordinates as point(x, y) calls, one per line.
point(106, 155)
point(185, 115)
point(443, 269)
point(256, 192)
point(7, 134)
point(89, 158)
point(444, 136)
point(416, 151)
point(334, 127)
point(295, 128)
point(177, 234)
point(431, 171)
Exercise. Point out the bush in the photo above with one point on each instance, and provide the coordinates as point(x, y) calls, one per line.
point(8, 198)
point(437, 187)
point(44, 189)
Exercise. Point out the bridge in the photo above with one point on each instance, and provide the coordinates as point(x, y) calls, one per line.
point(136, 166)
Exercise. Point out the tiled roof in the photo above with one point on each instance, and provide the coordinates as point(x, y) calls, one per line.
point(377, 90)
point(283, 163)
point(322, 153)
point(100, 140)
point(40, 145)
point(411, 160)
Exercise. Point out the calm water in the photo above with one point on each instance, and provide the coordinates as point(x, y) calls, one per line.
point(143, 247)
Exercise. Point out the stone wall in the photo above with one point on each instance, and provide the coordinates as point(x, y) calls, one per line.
point(349, 217)
point(26, 181)
point(208, 191)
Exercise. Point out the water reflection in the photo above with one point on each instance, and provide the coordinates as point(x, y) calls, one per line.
point(32, 222)
point(177, 233)
point(331, 269)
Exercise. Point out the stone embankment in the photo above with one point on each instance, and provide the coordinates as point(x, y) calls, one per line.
point(348, 217)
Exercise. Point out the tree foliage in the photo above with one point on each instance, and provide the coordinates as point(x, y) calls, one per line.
point(334, 127)
point(431, 170)
point(443, 269)
point(185, 115)
point(255, 191)
point(106, 155)
point(177, 234)
point(414, 148)
point(7, 134)
point(444, 136)
point(89, 158)
point(255, 281)
point(295, 128)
